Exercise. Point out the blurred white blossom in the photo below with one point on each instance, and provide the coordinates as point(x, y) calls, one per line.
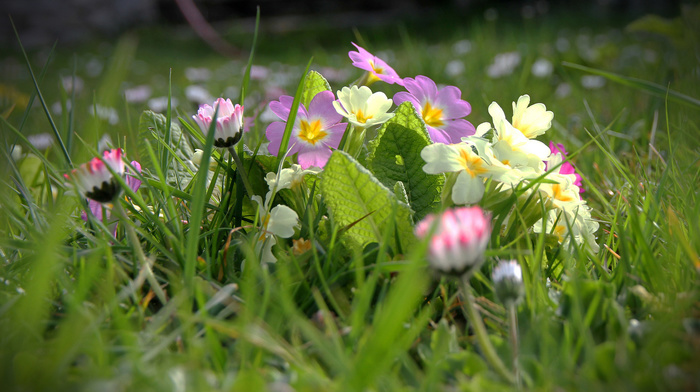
point(542, 68)
point(503, 64)
point(592, 82)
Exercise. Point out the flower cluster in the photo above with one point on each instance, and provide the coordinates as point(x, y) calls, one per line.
point(504, 152)
point(512, 156)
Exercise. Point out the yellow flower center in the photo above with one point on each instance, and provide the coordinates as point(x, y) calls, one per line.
point(361, 118)
point(560, 194)
point(472, 163)
point(375, 69)
point(432, 116)
point(559, 231)
point(311, 132)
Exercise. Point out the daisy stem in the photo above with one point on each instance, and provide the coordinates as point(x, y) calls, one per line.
point(513, 326)
point(480, 332)
point(241, 171)
point(138, 252)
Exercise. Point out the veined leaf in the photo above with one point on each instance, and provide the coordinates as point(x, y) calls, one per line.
point(152, 127)
point(351, 192)
point(314, 84)
point(394, 155)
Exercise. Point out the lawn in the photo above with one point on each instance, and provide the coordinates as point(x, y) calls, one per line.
point(382, 251)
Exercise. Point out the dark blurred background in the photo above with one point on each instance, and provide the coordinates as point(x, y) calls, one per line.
point(43, 22)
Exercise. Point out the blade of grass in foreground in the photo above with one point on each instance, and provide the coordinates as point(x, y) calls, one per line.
point(197, 207)
point(639, 84)
point(292, 116)
point(66, 155)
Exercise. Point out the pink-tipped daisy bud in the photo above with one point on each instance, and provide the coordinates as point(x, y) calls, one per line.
point(508, 282)
point(229, 122)
point(458, 240)
point(95, 181)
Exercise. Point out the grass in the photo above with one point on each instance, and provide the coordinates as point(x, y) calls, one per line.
point(83, 309)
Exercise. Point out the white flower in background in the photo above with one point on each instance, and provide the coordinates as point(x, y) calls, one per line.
point(197, 74)
point(563, 90)
point(198, 94)
point(567, 225)
point(592, 82)
point(41, 141)
point(362, 107)
point(542, 68)
point(160, 104)
point(105, 113)
point(288, 178)
point(16, 152)
point(503, 64)
point(68, 84)
point(258, 72)
point(462, 47)
point(138, 94)
point(473, 166)
point(454, 68)
point(279, 221)
point(57, 107)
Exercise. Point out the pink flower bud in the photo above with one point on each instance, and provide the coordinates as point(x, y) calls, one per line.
point(95, 181)
point(229, 122)
point(459, 239)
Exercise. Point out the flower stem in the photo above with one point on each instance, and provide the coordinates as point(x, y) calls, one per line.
point(241, 171)
point(513, 325)
point(481, 334)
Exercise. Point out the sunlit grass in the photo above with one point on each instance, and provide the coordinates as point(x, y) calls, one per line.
point(81, 310)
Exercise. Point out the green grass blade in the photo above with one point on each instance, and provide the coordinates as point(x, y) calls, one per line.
point(292, 116)
point(639, 84)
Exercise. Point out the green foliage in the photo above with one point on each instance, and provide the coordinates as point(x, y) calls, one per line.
point(314, 84)
point(394, 155)
point(159, 300)
point(360, 204)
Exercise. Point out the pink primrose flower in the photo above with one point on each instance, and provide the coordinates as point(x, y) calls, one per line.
point(442, 110)
point(316, 130)
point(458, 240)
point(229, 122)
point(378, 69)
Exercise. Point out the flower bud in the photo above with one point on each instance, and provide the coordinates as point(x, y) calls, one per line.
point(508, 282)
point(229, 122)
point(459, 239)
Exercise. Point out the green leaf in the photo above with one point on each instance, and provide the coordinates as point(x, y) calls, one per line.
point(314, 84)
point(354, 196)
point(394, 155)
point(400, 192)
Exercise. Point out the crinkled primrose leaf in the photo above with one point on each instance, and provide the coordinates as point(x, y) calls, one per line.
point(355, 197)
point(394, 155)
point(314, 84)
